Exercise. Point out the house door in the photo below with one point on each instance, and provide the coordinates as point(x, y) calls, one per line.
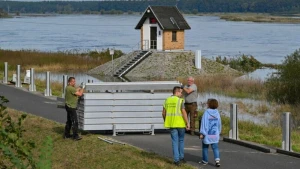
point(153, 37)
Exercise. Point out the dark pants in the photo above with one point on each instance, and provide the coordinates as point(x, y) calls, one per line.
point(191, 110)
point(72, 122)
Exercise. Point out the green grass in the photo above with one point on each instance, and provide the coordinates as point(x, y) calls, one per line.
point(263, 134)
point(90, 152)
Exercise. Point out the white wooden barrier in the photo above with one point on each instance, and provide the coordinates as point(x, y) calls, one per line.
point(126, 111)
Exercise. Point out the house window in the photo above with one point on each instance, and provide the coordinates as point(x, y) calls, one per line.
point(174, 36)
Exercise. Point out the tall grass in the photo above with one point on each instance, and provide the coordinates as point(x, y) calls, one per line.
point(55, 62)
point(230, 86)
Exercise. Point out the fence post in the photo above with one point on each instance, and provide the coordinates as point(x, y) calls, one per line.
point(32, 87)
point(18, 81)
point(114, 130)
point(65, 83)
point(5, 73)
point(48, 87)
point(198, 59)
point(233, 133)
point(286, 132)
point(152, 130)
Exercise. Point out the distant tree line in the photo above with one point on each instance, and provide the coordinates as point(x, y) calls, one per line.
point(3, 13)
point(186, 6)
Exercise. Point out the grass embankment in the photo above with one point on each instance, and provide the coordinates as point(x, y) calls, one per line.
point(90, 152)
point(258, 17)
point(263, 134)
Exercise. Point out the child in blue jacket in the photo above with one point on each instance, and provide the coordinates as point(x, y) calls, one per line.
point(210, 131)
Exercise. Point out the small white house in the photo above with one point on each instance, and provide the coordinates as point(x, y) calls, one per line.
point(162, 28)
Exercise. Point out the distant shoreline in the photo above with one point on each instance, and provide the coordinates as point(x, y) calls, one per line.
point(237, 17)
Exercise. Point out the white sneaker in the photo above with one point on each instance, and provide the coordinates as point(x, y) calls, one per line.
point(218, 164)
point(203, 162)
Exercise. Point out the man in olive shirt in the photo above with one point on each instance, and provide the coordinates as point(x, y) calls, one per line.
point(71, 99)
point(191, 96)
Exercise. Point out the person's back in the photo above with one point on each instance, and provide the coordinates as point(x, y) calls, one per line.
point(210, 130)
point(175, 119)
point(211, 126)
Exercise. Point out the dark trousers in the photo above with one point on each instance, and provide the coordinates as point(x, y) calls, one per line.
point(72, 122)
point(191, 110)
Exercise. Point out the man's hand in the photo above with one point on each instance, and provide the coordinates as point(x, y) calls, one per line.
point(182, 86)
point(201, 136)
point(187, 127)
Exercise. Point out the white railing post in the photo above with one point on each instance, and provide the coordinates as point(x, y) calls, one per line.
point(5, 73)
point(286, 132)
point(198, 59)
point(32, 87)
point(65, 83)
point(18, 80)
point(48, 85)
point(233, 133)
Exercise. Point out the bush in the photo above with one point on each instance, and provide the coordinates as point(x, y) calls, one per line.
point(284, 87)
point(242, 63)
point(15, 152)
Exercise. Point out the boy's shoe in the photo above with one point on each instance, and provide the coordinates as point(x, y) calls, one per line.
point(177, 163)
point(76, 138)
point(218, 164)
point(67, 136)
point(182, 160)
point(203, 162)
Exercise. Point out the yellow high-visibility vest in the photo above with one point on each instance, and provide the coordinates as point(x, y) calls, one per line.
point(174, 118)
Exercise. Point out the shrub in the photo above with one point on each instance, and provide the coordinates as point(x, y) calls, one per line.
point(15, 152)
point(284, 87)
point(242, 63)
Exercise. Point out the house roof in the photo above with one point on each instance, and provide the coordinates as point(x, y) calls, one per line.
point(168, 18)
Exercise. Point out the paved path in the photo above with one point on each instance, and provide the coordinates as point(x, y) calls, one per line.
point(232, 156)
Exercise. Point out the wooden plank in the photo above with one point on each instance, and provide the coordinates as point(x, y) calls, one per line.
point(120, 114)
point(97, 102)
point(123, 121)
point(121, 126)
point(126, 96)
point(140, 108)
point(146, 85)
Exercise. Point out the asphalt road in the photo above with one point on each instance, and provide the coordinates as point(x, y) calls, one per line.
point(232, 156)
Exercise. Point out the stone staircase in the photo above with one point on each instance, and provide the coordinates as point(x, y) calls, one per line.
point(130, 64)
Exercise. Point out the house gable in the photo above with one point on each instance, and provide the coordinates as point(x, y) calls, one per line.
point(168, 18)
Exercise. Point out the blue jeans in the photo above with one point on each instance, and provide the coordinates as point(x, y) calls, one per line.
point(215, 148)
point(177, 135)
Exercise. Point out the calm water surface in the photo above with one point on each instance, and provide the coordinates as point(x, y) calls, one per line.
point(268, 42)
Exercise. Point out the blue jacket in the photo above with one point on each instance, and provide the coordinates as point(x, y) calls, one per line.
point(211, 126)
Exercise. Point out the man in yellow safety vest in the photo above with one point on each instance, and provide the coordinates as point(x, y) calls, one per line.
point(175, 118)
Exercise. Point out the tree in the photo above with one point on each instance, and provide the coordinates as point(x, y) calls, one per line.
point(284, 87)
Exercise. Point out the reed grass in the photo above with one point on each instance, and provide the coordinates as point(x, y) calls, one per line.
point(55, 62)
point(258, 17)
point(229, 86)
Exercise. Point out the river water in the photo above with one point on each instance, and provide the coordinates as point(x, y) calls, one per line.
point(267, 42)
